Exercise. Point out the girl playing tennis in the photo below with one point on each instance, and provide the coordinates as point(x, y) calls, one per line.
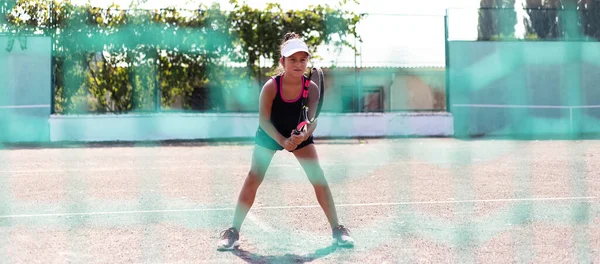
point(280, 106)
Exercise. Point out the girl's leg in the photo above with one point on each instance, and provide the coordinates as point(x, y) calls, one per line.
point(261, 158)
point(308, 159)
point(307, 156)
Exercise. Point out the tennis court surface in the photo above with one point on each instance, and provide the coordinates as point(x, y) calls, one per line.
point(437, 200)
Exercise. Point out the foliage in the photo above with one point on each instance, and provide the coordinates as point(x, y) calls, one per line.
point(563, 20)
point(261, 31)
point(119, 60)
point(590, 16)
point(543, 19)
point(497, 18)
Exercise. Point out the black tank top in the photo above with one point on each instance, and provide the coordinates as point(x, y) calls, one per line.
point(285, 114)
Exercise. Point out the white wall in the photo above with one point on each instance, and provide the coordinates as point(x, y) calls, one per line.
point(137, 127)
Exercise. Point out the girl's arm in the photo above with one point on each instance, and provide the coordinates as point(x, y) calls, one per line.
point(267, 94)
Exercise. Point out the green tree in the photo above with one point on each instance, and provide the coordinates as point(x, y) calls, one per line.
point(590, 17)
point(187, 63)
point(497, 19)
point(543, 18)
point(260, 31)
point(119, 60)
point(563, 19)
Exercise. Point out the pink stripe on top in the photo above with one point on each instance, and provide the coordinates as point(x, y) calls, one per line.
point(281, 94)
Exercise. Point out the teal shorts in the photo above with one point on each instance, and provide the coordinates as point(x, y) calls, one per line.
point(264, 140)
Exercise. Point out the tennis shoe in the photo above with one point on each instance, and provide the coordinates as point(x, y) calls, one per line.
point(230, 240)
point(342, 237)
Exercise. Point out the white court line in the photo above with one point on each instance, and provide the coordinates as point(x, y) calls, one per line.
point(264, 226)
point(510, 106)
point(208, 167)
point(136, 168)
point(525, 106)
point(23, 106)
point(534, 106)
point(298, 207)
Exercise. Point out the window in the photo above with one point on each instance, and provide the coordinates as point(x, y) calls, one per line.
point(370, 99)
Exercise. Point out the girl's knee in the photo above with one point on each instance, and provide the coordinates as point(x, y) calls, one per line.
point(317, 178)
point(321, 188)
point(254, 179)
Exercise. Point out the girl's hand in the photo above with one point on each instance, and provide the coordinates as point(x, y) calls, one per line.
point(298, 139)
point(289, 145)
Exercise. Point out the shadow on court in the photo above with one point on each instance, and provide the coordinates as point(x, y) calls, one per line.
point(287, 258)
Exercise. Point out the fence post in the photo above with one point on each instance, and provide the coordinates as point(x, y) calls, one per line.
point(447, 61)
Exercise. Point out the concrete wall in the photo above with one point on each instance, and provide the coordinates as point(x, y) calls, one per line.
point(225, 126)
point(403, 89)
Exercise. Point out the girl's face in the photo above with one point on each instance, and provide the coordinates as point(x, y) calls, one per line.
point(295, 65)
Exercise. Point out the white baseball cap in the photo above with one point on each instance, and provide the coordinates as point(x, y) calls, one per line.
point(292, 46)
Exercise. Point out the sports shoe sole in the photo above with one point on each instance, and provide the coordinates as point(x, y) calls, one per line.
point(347, 245)
point(235, 245)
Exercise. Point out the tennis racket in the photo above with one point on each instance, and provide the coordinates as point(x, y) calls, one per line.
point(316, 75)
